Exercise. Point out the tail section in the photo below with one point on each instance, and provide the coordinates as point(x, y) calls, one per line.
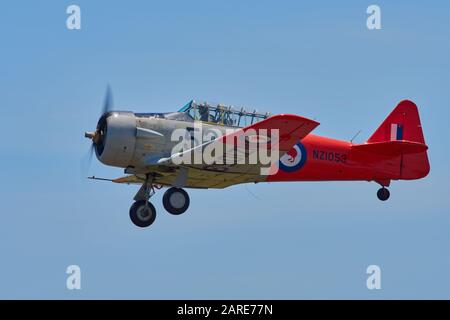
point(402, 131)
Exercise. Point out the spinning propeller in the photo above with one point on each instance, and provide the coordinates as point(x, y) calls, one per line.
point(98, 135)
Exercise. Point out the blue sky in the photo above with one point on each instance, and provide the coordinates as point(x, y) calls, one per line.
point(287, 240)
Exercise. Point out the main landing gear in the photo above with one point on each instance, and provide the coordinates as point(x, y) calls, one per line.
point(143, 213)
point(176, 201)
point(383, 194)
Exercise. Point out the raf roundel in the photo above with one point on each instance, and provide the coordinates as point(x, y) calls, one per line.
point(294, 159)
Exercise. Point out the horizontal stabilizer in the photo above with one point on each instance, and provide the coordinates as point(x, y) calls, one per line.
point(391, 148)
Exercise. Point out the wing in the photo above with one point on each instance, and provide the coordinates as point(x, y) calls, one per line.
point(291, 128)
point(230, 166)
point(192, 178)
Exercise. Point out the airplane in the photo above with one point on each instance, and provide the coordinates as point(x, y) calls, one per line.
point(141, 144)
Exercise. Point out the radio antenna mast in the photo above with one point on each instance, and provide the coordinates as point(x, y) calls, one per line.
point(356, 134)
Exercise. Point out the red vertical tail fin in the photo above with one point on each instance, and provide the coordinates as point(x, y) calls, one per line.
point(403, 124)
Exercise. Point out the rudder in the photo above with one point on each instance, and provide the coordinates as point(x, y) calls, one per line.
point(403, 123)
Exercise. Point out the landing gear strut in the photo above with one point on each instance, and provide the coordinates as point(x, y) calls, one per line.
point(383, 194)
point(143, 213)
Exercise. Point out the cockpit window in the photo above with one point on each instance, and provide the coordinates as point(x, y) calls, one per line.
point(221, 114)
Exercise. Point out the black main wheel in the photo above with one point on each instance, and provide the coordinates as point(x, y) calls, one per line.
point(383, 194)
point(176, 201)
point(142, 213)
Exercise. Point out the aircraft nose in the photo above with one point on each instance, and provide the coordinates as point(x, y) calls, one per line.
point(115, 138)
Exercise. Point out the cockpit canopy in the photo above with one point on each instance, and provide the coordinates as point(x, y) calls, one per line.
point(221, 114)
point(218, 114)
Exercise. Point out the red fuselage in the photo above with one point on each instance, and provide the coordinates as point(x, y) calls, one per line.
point(326, 159)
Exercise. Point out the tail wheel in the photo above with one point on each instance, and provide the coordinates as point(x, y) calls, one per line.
point(176, 201)
point(142, 213)
point(383, 194)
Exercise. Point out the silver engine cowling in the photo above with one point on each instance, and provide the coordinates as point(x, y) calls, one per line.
point(117, 138)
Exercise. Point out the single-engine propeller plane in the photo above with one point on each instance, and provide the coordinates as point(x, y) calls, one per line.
point(143, 144)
